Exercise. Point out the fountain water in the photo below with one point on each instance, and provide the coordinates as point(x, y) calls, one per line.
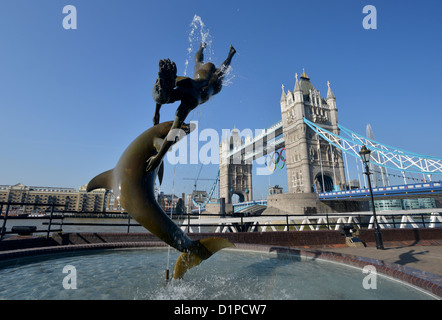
point(198, 34)
point(228, 275)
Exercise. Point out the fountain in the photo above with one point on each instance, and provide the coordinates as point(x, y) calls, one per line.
point(232, 274)
point(133, 178)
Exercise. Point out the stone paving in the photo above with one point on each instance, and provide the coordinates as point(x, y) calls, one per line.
point(422, 257)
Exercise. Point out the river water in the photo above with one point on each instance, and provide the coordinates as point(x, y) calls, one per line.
point(105, 224)
point(79, 225)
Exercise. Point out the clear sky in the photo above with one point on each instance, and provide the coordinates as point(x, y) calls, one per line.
point(72, 100)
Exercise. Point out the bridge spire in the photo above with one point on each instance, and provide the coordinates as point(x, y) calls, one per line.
point(304, 75)
point(330, 94)
point(297, 87)
point(283, 97)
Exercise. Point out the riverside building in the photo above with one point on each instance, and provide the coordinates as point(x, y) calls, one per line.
point(33, 199)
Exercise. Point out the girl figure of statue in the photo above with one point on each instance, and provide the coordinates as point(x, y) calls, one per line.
point(169, 88)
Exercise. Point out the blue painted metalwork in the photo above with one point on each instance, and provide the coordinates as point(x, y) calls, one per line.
point(240, 206)
point(209, 196)
point(419, 189)
point(382, 155)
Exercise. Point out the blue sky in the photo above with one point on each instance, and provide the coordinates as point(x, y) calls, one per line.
point(72, 100)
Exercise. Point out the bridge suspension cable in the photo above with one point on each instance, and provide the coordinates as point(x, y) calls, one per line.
point(382, 155)
point(209, 196)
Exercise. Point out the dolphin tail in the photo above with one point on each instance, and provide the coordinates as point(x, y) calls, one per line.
point(103, 180)
point(189, 260)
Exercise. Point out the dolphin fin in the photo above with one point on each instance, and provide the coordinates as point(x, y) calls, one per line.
point(184, 262)
point(103, 180)
point(189, 260)
point(161, 172)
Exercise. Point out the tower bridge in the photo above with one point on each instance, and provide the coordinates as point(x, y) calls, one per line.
point(316, 148)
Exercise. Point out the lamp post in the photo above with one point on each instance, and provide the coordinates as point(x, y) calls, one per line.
point(365, 156)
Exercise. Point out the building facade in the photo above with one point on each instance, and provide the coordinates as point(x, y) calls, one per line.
point(38, 199)
point(35, 200)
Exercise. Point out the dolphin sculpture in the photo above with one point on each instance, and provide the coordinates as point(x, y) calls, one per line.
point(133, 186)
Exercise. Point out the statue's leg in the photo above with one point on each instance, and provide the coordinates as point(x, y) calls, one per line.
point(180, 116)
point(199, 56)
point(221, 71)
point(156, 117)
point(217, 79)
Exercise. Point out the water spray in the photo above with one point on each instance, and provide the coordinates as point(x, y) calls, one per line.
point(198, 34)
point(171, 208)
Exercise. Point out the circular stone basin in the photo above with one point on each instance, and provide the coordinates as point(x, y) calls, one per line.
point(228, 275)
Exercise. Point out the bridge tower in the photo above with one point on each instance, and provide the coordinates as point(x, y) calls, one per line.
point(235, 176)
point(312, 163)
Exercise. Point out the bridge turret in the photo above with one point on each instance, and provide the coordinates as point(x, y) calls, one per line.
point(331, 102)
point(235, 172)
point(311, 163)
point(330, 95)
point(283, 99)
point(297, 92)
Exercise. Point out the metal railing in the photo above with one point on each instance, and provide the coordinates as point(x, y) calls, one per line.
point(53, 214)
point(426, 218)
point(423, 218)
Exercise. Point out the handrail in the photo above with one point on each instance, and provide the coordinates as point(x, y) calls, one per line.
point(426, 218)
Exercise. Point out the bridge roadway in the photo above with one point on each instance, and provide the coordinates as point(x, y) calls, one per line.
point(270, 140)
point(403, 219)
point(419, 190)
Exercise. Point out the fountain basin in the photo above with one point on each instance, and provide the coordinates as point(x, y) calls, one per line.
point(254, 272)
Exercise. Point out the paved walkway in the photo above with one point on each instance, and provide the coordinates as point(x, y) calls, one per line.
point(422, 257)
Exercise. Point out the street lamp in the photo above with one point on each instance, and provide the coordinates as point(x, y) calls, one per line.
point(365, 156)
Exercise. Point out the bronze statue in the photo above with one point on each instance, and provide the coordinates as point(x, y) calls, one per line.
point(133, 184)
point(168, 88)
point(134, 188)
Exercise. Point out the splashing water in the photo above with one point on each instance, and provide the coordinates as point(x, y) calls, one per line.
point(198, 33)
point(227, 81)
point(229, 275)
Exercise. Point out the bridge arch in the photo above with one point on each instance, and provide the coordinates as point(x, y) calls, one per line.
point(324, 183)
point(237, 197)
